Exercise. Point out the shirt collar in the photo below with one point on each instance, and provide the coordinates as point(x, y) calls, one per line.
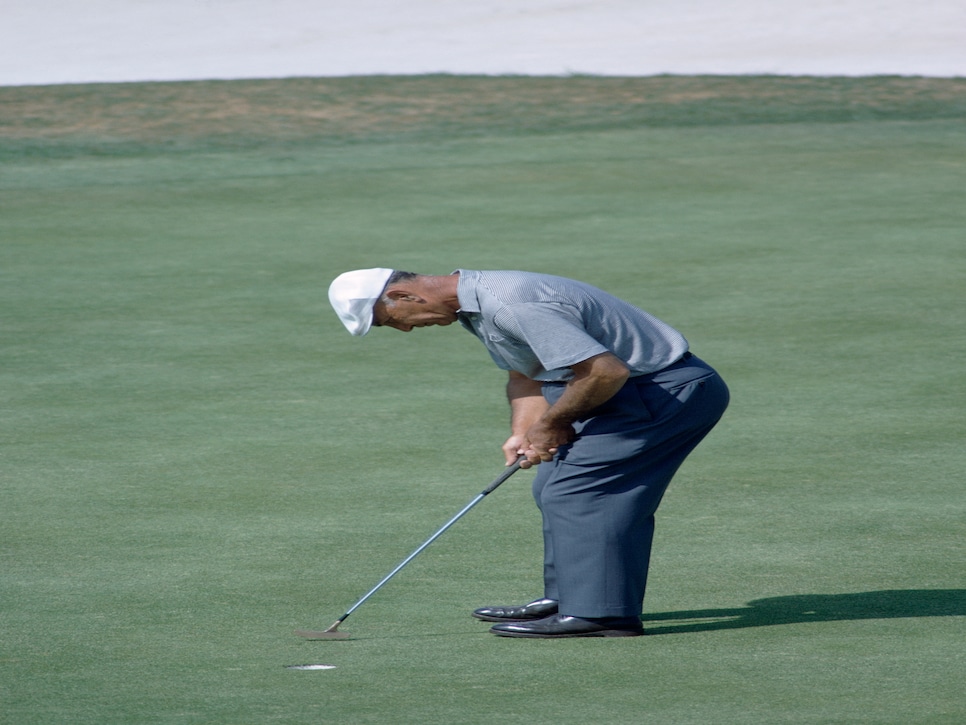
point(466, 291)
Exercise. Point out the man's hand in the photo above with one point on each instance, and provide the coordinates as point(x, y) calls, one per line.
point(515, 447)
point(539, 446)
point(545, 439)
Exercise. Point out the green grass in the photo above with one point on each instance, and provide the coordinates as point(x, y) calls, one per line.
point(197, 459)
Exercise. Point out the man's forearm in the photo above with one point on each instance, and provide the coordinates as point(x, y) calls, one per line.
point(527, 404)
point(595, 382)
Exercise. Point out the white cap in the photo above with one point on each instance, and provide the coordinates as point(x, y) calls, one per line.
point(354, 294)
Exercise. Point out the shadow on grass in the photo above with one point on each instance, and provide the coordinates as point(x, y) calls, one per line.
point(801, 608)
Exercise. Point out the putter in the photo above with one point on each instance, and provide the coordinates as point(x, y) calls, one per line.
point(333, 631)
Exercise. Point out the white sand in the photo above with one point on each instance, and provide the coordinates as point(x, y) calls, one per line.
point(72, 41)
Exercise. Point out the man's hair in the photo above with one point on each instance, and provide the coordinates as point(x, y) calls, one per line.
point(399, 276)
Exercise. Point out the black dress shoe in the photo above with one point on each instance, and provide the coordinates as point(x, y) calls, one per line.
point(537, 609)
point(560, 625)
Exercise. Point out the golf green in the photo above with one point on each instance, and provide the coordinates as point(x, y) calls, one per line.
point(197, 459)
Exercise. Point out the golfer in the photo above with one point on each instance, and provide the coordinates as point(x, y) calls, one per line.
point(606, 398)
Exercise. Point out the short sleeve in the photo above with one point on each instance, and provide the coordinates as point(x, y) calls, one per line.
point(553, 331)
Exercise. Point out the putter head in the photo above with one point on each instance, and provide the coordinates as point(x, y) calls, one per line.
point(312, 634)
point(330, 633)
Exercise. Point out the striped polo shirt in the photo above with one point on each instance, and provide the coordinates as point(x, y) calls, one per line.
point(540, 325)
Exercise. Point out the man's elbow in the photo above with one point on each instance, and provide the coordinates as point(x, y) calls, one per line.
point(618, 374)
point(609, 369)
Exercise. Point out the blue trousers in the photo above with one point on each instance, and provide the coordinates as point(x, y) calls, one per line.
point(599, 494)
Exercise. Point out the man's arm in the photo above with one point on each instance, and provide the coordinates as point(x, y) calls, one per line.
point(596, 380)
point(527, 405)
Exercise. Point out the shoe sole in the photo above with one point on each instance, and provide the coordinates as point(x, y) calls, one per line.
point(601, 633)
point(486, 618)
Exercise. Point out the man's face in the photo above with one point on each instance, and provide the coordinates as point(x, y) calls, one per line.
point(406, 313)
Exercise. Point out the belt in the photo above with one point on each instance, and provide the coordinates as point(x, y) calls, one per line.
point(684, 358)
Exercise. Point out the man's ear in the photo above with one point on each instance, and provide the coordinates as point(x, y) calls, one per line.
point(397, 294)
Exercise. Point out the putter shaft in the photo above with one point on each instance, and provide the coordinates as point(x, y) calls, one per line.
point(332, 633)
